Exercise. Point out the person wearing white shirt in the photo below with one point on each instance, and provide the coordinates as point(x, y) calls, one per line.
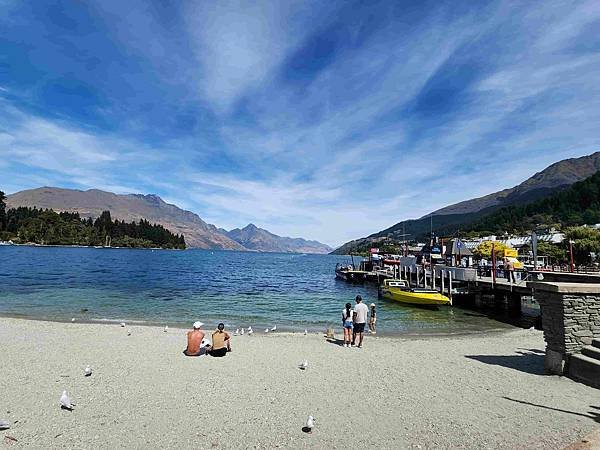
point(360, 319)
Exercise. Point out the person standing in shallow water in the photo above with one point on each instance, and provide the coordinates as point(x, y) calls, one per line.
point(360, 319)
point(347, 324)
point(372, 319)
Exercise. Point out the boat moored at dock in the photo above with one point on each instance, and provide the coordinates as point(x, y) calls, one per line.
point(347, 272)
point(400, 291)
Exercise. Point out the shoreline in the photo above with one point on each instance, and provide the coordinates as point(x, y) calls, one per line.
point(282, 329)
point(477, 391)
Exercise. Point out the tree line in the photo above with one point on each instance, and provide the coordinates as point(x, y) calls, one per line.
point(46, 226)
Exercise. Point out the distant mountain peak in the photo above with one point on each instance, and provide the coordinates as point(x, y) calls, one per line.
point(255, 238)
point(558, 175)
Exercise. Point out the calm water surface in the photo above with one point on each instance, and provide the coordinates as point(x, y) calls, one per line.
point(179, 287)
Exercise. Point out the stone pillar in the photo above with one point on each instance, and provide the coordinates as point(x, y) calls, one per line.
point(570, 319)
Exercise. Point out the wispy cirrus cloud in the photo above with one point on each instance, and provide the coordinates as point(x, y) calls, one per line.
point(327, 120)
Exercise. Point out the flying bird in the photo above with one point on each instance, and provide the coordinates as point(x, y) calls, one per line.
point(303, 365)
point(65, 401)
point(87, 371)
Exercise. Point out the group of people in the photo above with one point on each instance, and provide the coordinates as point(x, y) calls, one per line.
point(354, 321)
point(197, 346)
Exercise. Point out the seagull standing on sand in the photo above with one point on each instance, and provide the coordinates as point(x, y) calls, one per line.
point(122, 324)
point(310, 424)
point(274, 328)
point(250, 331)
point(129, 332)
point(242, 332)
point(305, 332)
point(237, 331)
point(166, 328)
point(87, 371)
point(73, 319)
point(65, 401)
point(266, 330)
point(303, 365)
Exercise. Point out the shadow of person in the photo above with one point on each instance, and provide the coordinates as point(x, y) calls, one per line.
point(335, 341)
point(528, 362)
point(595, 416)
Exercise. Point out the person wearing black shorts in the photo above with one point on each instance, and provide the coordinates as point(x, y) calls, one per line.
point(360, 319)
point(221, 342)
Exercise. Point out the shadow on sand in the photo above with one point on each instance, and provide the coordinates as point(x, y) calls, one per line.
point(335, 341)
point(528, 361)
point(594, 415)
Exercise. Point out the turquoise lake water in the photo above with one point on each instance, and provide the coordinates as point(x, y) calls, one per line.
point(178, 287)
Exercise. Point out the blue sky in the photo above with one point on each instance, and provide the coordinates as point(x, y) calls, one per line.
point(328, 120)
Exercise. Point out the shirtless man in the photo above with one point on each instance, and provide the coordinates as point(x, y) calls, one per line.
point(221, 341)
point(194, 341)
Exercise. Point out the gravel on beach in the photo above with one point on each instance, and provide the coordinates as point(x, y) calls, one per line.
point(483, 390)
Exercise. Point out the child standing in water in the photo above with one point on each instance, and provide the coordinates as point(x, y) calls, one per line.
point(372, 319)
point(347, 324)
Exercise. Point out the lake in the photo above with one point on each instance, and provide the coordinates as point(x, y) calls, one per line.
point(176, 288)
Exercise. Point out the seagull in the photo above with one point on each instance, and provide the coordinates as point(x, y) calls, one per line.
point(129, 332)
point(237, 331)
point(250, 331)
point(87, 371)
point(122, 324)
point(242, 332)
point(65, 401)
point(305, 332)
point(249, 328)
point(73, 319)
point(310, 424)
point(166, 328)
point(4, 424)
point(274, 328)
point(303, 365)
point(266, 330)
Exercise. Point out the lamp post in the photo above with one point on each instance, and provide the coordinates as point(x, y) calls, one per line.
point(493, 264)
point(572, 263)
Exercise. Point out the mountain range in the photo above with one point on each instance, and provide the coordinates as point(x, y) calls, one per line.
point(133, 207)
point(258, 239)
point(449, 219)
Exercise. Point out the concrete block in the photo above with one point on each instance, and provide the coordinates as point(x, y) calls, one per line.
point(554, 362)
point(585, 369)
point(591, 351)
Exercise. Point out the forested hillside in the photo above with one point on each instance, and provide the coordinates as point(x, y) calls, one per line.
point(45, 226)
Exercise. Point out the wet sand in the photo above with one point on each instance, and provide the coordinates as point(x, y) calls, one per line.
point(478, 391)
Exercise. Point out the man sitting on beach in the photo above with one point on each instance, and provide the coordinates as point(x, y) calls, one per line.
point(221, 342)
point(194, 341)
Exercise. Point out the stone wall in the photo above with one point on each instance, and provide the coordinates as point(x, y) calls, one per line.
point(570, 319)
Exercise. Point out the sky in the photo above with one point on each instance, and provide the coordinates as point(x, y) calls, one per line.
point(327, 120)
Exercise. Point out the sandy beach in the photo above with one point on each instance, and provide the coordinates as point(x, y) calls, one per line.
point(476, 391)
